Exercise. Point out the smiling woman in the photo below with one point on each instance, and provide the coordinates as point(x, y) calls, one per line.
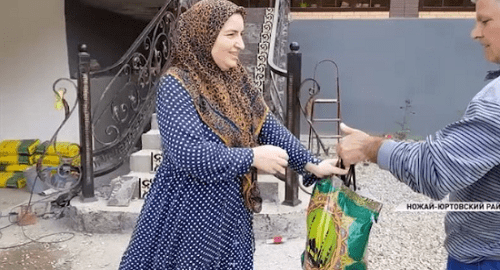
point(216, 133)
point(229, 43)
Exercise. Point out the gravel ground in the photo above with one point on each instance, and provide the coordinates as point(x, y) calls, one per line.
point(400, 240)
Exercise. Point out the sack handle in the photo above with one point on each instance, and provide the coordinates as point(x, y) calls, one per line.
point(350, 177)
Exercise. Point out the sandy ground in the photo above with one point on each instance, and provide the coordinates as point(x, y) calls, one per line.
point(400, 240)
point(79, 251)
point(49, 244)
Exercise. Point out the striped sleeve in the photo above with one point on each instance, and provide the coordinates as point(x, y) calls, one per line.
point(461, 153)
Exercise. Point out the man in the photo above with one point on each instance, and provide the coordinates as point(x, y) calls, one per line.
point(463, 160)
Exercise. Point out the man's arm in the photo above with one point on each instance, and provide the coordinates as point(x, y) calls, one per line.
point(461, 153)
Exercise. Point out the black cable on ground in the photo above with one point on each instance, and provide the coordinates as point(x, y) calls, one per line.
point(13, 213)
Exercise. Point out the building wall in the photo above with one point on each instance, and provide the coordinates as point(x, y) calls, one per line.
point(33, 56)
point(404, 8)
point(383, 62)
point(433, 63)
point(370, 15)
point(108, 35)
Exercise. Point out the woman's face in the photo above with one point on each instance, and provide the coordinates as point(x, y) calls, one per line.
point(229, 43)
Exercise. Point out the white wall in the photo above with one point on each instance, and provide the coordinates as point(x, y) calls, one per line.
point(33, 55)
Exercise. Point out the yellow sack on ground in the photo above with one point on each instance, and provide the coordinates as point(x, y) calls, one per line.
point(12, 180)
point(48, 160)
point(16, 160)
point(65, 149)
point(18, 147)
point(14, 168)
point(77, 161)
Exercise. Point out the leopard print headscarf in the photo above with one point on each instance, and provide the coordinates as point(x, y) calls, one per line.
point(227, 101)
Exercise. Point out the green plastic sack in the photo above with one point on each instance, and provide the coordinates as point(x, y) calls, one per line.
point(338, 227)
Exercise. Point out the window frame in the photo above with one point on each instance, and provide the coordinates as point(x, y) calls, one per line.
point(320, 7)
point(421, 7)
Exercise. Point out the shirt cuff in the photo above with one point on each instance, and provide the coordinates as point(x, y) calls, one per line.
point(243, 159)
point(309, 178)
point(384, 153)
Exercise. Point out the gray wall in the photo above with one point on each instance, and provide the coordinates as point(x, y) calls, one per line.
point(432, 63)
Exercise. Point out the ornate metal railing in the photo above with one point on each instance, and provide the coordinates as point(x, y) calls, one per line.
point(284, 84)
point(277, 57)
point(116, 103)
point(126, 96)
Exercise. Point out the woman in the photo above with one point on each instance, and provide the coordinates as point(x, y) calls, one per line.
point(198, 213)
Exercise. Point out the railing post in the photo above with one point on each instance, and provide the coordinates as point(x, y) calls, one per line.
point(85, 124)
point(294, 66)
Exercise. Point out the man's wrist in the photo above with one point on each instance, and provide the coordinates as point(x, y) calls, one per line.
point(373, 145)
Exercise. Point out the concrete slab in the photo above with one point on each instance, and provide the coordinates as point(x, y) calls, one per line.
point(275, 218)
point(122, 190)
point(98, 217)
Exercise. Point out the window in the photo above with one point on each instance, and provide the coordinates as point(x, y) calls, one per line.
point(340, 5)
point(446, 5)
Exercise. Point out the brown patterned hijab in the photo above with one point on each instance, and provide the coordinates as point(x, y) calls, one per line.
point(227, 101)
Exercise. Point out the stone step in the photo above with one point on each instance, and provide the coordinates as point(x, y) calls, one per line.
point(145, 160)
point(145, 180)
point(151, 139)
point(154, 121)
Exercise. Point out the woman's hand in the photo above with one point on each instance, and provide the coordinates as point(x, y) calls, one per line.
point(325, 168)
point(270, 159)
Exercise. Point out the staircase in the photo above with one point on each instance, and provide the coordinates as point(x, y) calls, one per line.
point(144, 163)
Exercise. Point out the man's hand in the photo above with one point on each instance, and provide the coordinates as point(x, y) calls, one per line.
point(357, 146)
point(325, 168)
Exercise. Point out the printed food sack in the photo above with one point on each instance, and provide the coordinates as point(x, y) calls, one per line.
point(65, 149)
point(338, 227)
point(18, 147)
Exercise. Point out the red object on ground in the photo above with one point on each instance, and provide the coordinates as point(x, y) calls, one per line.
point(277, 239)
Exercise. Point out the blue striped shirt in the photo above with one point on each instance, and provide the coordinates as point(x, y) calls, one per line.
point(463, 160)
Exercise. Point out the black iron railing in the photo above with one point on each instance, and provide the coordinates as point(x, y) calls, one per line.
point(277, 58)
point(291, 74)
point(116, 103)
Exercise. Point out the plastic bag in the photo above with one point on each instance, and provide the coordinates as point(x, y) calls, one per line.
point(338, 227)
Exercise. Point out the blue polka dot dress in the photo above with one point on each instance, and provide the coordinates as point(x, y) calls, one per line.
point(194, 216)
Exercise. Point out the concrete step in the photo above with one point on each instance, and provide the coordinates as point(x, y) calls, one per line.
point(154, 121)
point(145, 181)
point(151, 139)
point(275, 218)
point(145, 160)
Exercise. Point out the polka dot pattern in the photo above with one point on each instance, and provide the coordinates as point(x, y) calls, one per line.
point(194, 216)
